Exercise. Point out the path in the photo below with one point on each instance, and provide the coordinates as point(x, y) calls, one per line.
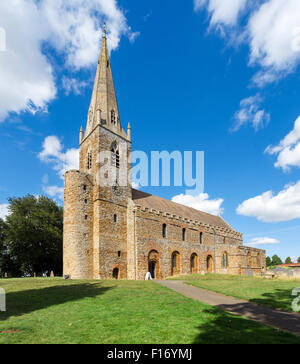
point(282, 320)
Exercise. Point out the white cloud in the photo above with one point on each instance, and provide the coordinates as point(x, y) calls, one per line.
point(221, 11)
point(263, 241)
point(71, 27)
point(272, 32)
point(201, 202)
point(251, 113)
point(54, 191)
point(61, 161)
point(73, 85)
point(3, 211)
point(288, 149)
point(284, 206)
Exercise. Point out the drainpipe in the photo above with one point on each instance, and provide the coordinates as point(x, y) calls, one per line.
point(214, 251)
point(134, 253)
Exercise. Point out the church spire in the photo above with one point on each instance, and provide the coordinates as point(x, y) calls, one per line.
point(104, 107)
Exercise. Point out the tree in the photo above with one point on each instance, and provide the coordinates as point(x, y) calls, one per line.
point(34, 234)
point(268, 261)
point(288, 260)
point(299, 260)
point(276, 260)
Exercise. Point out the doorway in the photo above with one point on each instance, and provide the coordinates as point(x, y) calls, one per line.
point(116, 273)
point(209, 264)
point(152, 269)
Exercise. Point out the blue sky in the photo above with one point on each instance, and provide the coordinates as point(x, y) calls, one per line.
point(189, 76)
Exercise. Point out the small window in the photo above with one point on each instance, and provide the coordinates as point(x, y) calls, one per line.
point(201, 238)
point(164, 231)
point(115, 218)
point(89, 160)
point(86, 217)
point(119, 253)
point(115, 156)
point(113, 117)
point(183, 234)
point(84, 187)
point(225, 260)
point(85, 201)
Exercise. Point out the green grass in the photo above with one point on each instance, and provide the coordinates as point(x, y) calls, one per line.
point(273, 293)
point(111, 312)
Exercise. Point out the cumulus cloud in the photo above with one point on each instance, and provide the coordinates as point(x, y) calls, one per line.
point(54, 191)
point(224, 12)
point(70, 27)
point(272, 33)
point(288, 150)
point(73, 85)
point(53, 154)
point(263, 241)
point(3, 211)
point(201, 202)
point(284, 206)
point(250, 112)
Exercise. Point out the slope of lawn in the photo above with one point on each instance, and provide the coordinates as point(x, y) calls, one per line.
point(275, 293)
point(55, 311)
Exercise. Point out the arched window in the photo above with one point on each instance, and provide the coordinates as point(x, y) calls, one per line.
point(175, 263)
point(164, 231)
point(225, 260)
point(201, 238)
point(115, 156)
point(113, 117)
point(89, 160)
point(183, 234)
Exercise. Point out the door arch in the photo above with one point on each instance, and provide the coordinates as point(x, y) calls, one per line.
point(153, 264)
point(209, 264)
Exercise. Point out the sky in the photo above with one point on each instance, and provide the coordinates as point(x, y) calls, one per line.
point(205, 75)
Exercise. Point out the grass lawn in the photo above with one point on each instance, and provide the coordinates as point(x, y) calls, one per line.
point(55, 311)
point(274, 293)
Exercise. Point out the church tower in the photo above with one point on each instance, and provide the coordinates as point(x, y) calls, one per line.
point(97, 196)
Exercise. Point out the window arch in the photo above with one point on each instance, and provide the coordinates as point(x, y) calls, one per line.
point(115, 155)
point(225, 260)
point(183, 234)
point(175, 263)
point(89, 160)
point(164, 231)
point(201, 237)
point(194, 263)
point(113, 117)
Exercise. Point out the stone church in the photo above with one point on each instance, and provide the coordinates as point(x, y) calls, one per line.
point(122, 233)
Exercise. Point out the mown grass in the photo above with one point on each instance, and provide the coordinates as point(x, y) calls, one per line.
point(274, 293)
point(124, 312)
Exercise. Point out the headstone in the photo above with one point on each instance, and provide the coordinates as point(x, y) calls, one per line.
point(34, 275)
point(52, 274)
point(5, 275)
point(250, 273)
point(66, 277)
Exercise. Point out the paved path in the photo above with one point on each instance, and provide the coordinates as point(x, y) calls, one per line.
point(282, 320)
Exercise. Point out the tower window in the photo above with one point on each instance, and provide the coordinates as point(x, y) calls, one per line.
point(113, 117)
point(164, 231)
point(119, 253)
point(115, 218)
point(85, 201)
point(201, 238)
point(84, 187)
point(86, 217)
point(115, 156)
point(183, 234)
point(89, 160)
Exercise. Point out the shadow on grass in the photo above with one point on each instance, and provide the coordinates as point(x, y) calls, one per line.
point(228, 329)
point(24, 302)
point(281, 299)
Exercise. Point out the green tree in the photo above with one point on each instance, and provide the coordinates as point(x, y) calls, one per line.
point(288, 260)
point(276, 260)
point(34, 234)
point(268, 261)
point(299, 260)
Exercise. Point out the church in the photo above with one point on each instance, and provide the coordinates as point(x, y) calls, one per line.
point(117, 232)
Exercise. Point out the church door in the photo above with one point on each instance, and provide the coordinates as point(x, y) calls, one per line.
point(116, 273)
point(152, 268)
